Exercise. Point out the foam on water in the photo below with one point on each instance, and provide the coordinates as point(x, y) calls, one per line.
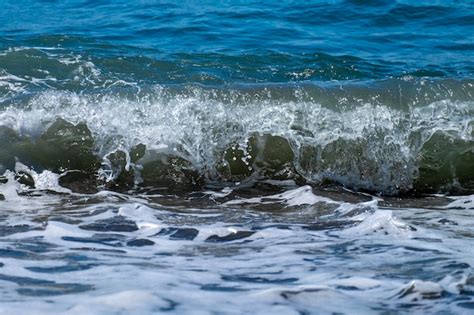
point(463, 202)
point(296, 197)
point(151, 257)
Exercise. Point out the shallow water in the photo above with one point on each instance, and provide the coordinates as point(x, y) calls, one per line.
point(240, 157)
point(299, 251)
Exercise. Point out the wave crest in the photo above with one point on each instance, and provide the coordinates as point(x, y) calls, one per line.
point(197, 135)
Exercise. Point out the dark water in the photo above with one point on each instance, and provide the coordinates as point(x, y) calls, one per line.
point(290, 157)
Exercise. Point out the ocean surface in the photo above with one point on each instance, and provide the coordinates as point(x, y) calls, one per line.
point(236, 157)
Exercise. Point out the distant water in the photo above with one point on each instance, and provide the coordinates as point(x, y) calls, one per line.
point(236, 157)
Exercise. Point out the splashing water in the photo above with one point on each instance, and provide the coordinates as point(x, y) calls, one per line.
point(241, 157)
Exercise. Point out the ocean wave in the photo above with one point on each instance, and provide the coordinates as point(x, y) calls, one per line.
point(418, 138)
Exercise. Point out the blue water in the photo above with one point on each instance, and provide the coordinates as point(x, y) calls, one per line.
point(234, 157)
point(253, 41)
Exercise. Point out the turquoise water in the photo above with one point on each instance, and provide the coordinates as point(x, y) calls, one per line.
point(236, 157)
point(376, 39)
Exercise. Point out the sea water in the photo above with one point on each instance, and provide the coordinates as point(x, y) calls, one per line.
point(233, 157)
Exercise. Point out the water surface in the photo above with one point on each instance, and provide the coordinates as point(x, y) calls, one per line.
point(236, 157)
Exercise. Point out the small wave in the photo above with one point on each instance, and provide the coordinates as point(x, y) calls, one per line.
point(186, 137)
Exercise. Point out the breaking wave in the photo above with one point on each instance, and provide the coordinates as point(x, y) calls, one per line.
point(391, 136)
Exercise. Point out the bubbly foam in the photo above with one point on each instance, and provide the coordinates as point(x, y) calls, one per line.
point(154, 258)
point(372, 146)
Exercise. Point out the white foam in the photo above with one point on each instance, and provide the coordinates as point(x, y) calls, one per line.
point(221, 194)
point(282, 267)
point(303, 196)
point(143, 216)
point(462, 202)
point(379, 222)
point(9, 189)
point(417, 290)
point(296, 197)
point(124, 302)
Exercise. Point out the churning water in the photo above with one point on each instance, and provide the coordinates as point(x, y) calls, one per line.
point(236, 157)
